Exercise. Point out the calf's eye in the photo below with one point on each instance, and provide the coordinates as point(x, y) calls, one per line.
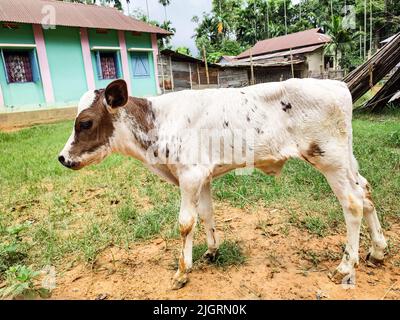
point(84, 125)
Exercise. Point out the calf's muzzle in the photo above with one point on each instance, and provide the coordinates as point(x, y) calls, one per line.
point(67, 163)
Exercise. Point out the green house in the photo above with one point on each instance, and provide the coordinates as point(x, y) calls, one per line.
point(51, 52)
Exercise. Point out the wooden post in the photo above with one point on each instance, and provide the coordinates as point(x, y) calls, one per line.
point(291, 62)
point(162, 73)
point(371, 76)
point(190, 75)
point(206, 64)
point(198, 75)
point(365, 29)
point(360, 43)
point(218, 77)
point(251, 68)
point(172, 74)
point(370, 28)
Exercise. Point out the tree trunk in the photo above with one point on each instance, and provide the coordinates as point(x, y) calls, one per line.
point(336, 57)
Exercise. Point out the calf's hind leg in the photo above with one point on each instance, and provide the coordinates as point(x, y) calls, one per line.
point(206, 213)
point(351, 196)
point(377, 251)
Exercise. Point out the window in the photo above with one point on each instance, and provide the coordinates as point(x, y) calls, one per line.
point(140, 64)
point(20, 66)
point(108, 65)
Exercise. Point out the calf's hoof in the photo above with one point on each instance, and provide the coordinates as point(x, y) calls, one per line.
point(210, 255)
point(179, 281)
point(344, 278)
point(372, 261)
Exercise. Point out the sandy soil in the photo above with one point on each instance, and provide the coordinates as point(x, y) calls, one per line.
point(282, 262)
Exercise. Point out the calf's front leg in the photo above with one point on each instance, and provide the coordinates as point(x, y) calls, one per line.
point(190, 184)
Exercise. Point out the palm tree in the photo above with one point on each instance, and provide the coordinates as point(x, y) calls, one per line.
point(165, 3)
point(342, 38)
point(166, 41)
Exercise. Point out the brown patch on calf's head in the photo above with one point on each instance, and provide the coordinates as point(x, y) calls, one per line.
point(93, 128)
point(95, 124)
point(314, 150)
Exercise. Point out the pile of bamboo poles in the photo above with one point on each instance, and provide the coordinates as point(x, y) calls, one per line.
point(374, 69)
point(379, 101)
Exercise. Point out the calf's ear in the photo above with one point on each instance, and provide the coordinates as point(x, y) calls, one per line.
point(116, 94)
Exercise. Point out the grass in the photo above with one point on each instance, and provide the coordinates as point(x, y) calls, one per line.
point(230, 253)
point(20, 281)
point(49, 215)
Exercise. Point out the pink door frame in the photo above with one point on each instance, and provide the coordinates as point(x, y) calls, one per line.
point(43, 63)
point(154, 45)
point(124, 60)
point(87, 59)
point(1, 98)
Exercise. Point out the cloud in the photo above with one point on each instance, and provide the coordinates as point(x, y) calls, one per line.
point(180, 12)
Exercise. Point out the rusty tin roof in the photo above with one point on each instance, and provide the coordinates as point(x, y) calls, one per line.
point(290, 41)
point(72, 15)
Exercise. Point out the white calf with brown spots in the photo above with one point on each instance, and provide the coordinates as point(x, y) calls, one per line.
point(190, 137)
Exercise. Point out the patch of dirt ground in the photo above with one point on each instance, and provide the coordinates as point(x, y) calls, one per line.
point(282, 262)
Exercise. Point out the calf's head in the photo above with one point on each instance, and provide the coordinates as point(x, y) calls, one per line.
point(90, 141)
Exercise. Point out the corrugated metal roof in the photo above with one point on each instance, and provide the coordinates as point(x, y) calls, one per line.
point(72, 15)
point(285, 53)
point(229, 58)
point(293, 40)
point(268, 64)
point(176, 56)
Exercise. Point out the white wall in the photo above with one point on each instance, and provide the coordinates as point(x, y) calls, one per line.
point(315, 61)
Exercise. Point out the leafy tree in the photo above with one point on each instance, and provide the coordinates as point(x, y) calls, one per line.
point(183, 50)
point(216, 31)
point(165, 3)
point(165, 43)
point(343, 38)
point(248, 21)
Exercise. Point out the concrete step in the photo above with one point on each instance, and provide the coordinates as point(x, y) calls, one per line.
point(18, 119)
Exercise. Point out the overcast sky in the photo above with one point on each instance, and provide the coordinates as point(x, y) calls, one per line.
point(180, 12)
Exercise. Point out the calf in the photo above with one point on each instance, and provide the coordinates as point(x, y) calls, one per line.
point(260, 126)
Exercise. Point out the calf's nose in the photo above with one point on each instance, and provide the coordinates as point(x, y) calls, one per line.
point(61, 159)
point(68, 163)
